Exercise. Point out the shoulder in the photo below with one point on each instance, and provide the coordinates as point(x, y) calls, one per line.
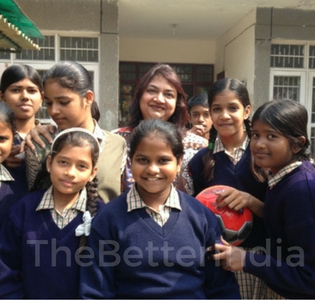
point(191, 140)
point(112, 137)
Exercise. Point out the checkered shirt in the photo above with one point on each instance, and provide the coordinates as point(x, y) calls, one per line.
point(161, 216)
point(62, 219)
point(274, 179)
point(237, 152)
point(5, 174)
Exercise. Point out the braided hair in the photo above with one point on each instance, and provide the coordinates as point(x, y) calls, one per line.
point(238, 88)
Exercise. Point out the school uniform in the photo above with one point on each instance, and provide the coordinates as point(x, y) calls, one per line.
point(136, 257)
point(288, 266)
point(235, 172)
point(10, 192)
point(37, 257)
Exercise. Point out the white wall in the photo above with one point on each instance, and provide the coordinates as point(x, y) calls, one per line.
point(171, 51)
point(235, 52)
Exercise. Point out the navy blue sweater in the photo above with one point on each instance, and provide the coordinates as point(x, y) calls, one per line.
point(238, 176)
point(134, 257)
point(37, 259)
point(289, 264)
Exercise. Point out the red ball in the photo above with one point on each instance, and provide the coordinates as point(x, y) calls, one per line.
point(235, 225)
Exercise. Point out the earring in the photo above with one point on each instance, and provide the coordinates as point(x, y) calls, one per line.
point(48, 170)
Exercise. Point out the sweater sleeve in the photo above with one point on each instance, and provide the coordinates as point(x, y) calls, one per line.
point(219, 284)
point(11, 285)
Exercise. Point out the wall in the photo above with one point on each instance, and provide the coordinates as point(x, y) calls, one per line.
point(235, 52)
point(175, 51)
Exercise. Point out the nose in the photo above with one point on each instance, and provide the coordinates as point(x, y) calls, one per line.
point(25, 95)
point(53, 109)
point(225, 114)
point(153, 169)
point(70, 171)
point(160, 97)
point(201, 119)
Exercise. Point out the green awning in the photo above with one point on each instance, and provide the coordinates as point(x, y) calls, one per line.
point(16, 30)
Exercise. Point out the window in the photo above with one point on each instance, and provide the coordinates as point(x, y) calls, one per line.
point(195, 79)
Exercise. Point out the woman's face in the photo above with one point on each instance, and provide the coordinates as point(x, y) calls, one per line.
point(24, 98)
point(66, 107)
point(158, 100)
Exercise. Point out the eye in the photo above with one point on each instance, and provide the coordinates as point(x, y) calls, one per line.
point(254, 135)
point(64, 103)
point(233, 108)
point(82, 166)
point(164, 161)
point(141, 160)
point(151, 91)
point(170, 95)
point(62, 162)
point(3, 139)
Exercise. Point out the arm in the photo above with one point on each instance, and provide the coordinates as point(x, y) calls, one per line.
point(12, 160)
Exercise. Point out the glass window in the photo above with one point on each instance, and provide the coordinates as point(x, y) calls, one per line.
point(286, 87)
point(287, 56)
point(46, 52)
point(79, 48)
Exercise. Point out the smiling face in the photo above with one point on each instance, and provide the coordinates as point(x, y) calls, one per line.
point(6, 140)
point(67, 108)
point(228, 114)
point(158, 100)
point(24, 98)
point(270, 149)
point(154, 168)
point(70, 170)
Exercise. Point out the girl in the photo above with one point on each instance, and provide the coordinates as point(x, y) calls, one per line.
point(160, 95)
point(69, 98)
point(9, 190)
point(227, 161)
point(280, 145)
point(156, 250)
point(39, 256)
point(21, 88)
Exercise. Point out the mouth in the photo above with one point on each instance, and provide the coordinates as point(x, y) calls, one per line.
point(157, 108)
point(25, 107)
point(152, 179)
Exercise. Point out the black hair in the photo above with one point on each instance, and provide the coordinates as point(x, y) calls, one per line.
point(7, 116)
point(16, 73)
point(198, 100)
point(180, 115)
point(165, 131)
point(75, 77)
point(239, 89)
point(289, 118)
point(81, 139)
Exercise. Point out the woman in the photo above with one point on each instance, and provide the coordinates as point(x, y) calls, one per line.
point(160, 95)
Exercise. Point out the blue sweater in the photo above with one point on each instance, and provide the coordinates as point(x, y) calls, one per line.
point(37, 259)
point(238, 176)
point(134, 257)
point(289, 264)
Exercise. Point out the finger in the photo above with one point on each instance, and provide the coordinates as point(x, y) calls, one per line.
point(224, 242)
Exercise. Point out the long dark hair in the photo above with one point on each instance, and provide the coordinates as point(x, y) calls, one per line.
point(289, 118)
point(180, 115)
point(75, 77)
point(238, 88)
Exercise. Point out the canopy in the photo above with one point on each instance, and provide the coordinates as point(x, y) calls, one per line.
point(16, 30)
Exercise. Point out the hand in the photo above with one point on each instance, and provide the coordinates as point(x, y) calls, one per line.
point(12, 161)
point(34, 136)
point(198, 130)
point(231, 258)
point(232, 198)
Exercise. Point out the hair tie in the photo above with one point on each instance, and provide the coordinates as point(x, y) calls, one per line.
point(210, 146)
point(85, 227)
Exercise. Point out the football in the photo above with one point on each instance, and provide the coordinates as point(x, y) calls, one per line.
point(235, 225)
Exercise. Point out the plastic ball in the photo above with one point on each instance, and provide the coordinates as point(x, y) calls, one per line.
point(235, 225)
